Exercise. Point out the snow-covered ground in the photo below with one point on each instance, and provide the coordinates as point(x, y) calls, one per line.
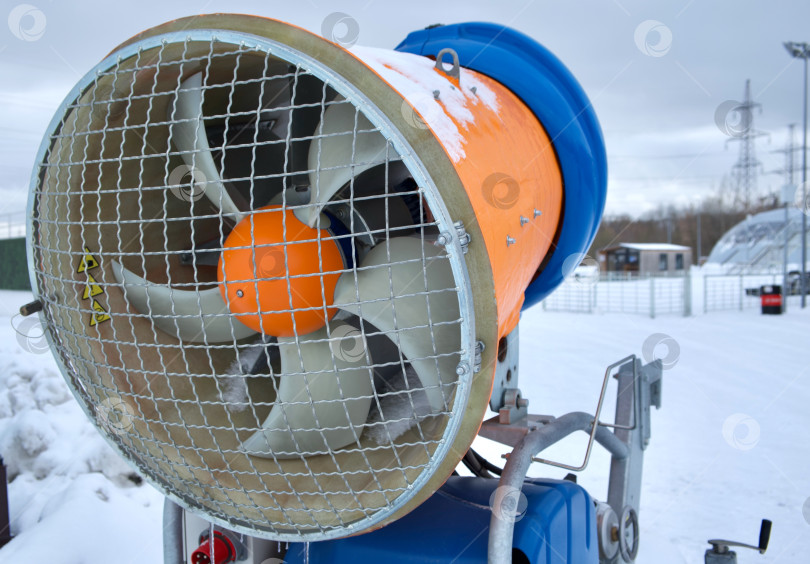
point(72, 498)
point(729, 446)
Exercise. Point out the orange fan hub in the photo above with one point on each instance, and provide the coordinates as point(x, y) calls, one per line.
point(278, 275)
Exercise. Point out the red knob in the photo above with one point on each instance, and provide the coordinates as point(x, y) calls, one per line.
point(222, 551)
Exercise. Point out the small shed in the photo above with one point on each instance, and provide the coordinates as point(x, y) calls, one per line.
point(646, 258)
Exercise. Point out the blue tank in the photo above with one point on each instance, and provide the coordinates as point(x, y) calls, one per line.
point(536, 76)
point(556, 525)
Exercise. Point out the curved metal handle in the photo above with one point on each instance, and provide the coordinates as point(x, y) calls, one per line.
point(721, 546)
point(455, 70)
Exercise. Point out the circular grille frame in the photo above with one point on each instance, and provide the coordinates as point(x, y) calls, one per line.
point(435, 202)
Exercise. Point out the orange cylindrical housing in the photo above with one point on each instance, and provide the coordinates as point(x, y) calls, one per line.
point(502, 155)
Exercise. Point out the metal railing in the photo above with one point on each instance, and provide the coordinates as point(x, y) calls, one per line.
point(623, 293)
point(735, 291)
point(652, 296)
point(12, 225)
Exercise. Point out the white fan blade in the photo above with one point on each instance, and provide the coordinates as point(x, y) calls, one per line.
point(318, 409)
point(189, 136)
point(339, 155)
point(405, 319)
point(192, 316)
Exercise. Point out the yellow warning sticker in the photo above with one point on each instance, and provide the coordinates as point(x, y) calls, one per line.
point(88, 261)
point(99, 314)
point(92, 288)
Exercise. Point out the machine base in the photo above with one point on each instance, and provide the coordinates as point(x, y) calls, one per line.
point(555, 521)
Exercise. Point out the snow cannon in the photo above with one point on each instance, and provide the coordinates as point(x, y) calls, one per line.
point(281, 274)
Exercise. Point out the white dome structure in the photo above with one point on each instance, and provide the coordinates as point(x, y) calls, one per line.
point(757, 243)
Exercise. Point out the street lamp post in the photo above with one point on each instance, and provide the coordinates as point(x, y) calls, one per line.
point(802, 51)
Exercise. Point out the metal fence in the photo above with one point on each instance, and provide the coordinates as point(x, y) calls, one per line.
point(12, 225)
point(588, 292)
point(661, 295)
point(735, 291)
point(611, 293)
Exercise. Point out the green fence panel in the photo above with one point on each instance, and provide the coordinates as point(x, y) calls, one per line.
point(13, 265)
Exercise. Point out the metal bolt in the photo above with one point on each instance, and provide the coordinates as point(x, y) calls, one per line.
point(537, 213)
point(462, 368)
point(436, 94)
point(442, 240)
point(522, 402)
point(509, 241)
point(523, 220)
point(239, 293)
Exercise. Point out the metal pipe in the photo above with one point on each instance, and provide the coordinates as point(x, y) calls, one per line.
point(5, 522)
point(785, 289)
point(172, 533)
point(517, 465)
point(802, 51)
point(804, 185)
point(789, 170)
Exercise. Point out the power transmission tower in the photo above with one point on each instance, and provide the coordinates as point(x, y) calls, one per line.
point(744, 171)
point(790, 164)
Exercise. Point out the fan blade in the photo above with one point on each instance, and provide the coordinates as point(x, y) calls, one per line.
point(188, 134)
point(192, 316)
point(409, 320)
point(318, 409)
point(338, 153)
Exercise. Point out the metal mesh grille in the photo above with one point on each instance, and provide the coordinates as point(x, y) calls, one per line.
point(117, 192)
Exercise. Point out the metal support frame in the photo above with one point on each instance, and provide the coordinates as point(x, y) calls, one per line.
point(506, 399)
point(172, 533)
point(639, 388)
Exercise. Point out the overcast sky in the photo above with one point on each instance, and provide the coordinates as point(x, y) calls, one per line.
point(656, 73)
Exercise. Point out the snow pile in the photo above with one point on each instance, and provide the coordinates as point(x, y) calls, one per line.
point(72, 498)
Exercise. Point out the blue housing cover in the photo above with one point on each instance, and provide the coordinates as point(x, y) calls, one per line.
point(558, 527)
point(549, 89)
